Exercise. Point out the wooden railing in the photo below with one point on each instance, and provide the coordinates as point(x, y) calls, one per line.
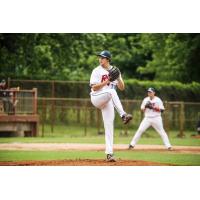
point(16, 101)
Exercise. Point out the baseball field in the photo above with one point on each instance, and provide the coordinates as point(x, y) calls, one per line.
point(89, 151)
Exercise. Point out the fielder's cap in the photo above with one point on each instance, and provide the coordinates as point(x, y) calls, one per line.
point(105, 54)
point(151, 89)
point(3, 81)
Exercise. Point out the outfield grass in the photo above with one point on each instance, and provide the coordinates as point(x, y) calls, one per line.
point(74, 135)
point(61, 130)
point(166, 158)
point(187, 141)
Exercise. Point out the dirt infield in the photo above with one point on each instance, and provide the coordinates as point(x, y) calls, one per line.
point(93, 147)
point(82, 162)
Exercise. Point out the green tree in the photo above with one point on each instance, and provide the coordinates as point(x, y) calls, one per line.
point(72, 56)
point(174, 56)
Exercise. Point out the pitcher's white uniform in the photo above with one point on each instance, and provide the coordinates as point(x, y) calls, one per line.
point(106, 99)
point(152, 118)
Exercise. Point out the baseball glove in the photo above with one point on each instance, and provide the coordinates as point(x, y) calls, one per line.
point(149, 105)
point(113, 74)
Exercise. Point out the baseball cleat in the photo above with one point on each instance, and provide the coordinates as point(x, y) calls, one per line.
point(130, 147)
point(169, 149)
point(110, 158)
point(126, 118)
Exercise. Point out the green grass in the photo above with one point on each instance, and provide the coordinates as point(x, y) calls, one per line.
point(187, 141)
point(76, 135)
point(78, 130)
point(167, 158)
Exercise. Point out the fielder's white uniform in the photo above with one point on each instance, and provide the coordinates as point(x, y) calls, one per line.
point(152, 118)
point(106, 99)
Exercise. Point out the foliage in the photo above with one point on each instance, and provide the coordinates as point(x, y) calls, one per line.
point(174, 56)
point(168, 91)
point(165, 57)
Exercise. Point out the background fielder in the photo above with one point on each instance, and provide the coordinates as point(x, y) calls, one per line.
point(104, 97)
point(152, 106)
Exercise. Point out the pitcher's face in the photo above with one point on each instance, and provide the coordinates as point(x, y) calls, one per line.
point(151, 94)
point(104, 62)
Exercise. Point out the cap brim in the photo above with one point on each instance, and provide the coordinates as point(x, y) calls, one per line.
point(102, 56)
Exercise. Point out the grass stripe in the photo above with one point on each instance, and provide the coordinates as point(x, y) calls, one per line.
point(170, 158)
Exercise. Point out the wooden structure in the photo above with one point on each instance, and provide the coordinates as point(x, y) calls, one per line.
point(22, 119)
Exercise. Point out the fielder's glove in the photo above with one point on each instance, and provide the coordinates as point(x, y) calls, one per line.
point(149, 105)
point(113, 74)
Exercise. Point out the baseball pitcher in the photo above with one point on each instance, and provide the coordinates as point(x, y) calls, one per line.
point(103, 81)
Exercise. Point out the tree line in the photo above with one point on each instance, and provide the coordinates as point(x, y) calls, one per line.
point(67, 56)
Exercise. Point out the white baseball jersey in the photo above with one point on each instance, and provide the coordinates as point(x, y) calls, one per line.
point(106, 99)
point(99, 74)
point(152, 118)
point(157, 102)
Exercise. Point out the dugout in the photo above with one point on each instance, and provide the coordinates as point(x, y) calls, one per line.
point(18, 113)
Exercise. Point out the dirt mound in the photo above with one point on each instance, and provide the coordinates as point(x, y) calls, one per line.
point(86, 162)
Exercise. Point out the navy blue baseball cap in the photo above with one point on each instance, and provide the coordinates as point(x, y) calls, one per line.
point(151, 89)
point(105, 54)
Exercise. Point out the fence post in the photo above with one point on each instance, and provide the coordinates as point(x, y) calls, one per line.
point(78, 110)
point(181, 120)
point(52, 89)
point(35, 101)
point(98, 122)
point(126, 127)
point(43, 115)
point(85, 124)
point(62, 112)
point(53, 114)
point(166, 117)
point(9, 80)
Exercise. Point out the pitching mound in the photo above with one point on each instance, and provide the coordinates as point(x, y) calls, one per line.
point(83, 163)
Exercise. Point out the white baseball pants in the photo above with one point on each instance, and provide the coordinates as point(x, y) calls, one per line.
point(156, 123)
point(106, 101)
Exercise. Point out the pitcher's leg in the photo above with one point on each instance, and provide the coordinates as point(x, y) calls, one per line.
point(158, 126)
point(142, 128)
point(101, 99)
point(116, 102)
point(118, 106)
point(108, 120)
